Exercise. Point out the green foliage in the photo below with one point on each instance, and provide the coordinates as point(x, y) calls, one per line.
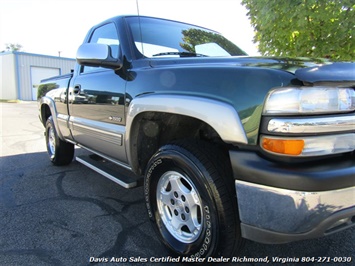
point(13, 47)
point(304, 28)
point(193, 37)
point(44, 88)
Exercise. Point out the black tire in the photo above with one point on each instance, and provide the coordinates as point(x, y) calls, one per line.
point(191, 201)
point(59, 151)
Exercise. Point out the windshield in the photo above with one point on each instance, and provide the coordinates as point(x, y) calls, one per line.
point(164, 38)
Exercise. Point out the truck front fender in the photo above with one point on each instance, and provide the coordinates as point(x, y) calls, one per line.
point(222, 117)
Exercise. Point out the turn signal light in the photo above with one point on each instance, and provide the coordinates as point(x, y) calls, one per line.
point(310, 145)
point(283, 146)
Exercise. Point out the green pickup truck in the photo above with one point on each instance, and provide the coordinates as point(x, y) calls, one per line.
point(228, 147)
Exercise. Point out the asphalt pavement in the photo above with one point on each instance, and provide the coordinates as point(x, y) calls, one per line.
point(73, 216)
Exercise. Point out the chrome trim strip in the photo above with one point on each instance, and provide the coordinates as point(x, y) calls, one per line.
point(71, 141)
point(289, 211)
point(63, 117)
point(311, 125)
point(115, 139)
point(104, 131)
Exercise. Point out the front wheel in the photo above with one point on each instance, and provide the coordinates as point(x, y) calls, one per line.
point(190, 196)
point(59, 151)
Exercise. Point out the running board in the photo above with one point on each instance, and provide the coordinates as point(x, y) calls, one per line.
point(110, 170)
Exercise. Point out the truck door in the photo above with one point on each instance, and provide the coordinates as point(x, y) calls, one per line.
point(96, 102)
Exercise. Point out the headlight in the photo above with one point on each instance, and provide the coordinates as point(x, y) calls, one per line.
point(310, 100)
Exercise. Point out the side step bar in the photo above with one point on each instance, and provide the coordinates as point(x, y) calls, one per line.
point(110, 170)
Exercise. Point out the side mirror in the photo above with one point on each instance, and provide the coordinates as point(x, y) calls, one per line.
point(98, 55)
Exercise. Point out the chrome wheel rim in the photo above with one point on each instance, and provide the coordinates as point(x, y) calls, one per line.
point(51, 140)
point(179, 206)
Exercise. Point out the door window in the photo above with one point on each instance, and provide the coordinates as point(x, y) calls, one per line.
point(106, 34)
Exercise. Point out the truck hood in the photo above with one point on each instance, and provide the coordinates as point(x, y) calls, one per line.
point(242, 82)
point(305, 69)
point(336, 72)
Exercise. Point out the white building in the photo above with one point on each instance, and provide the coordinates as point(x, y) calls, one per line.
point(20, 73)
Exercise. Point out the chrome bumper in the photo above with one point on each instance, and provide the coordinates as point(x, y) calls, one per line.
point(276, 215)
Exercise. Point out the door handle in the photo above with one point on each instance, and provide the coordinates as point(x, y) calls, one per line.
point(77, 89)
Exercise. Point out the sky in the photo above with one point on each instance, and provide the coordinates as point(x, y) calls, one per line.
point(54, 27)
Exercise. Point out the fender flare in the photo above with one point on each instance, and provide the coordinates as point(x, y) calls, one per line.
point(51, 104)
point(221, 116)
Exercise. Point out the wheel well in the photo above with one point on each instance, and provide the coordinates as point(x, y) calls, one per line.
point(151, 130)
point(45, 113)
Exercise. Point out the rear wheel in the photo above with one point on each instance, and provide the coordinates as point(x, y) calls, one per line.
point(191, 200)
point(59, 151)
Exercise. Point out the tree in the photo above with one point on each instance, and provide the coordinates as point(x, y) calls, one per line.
point(304, 28)
point(193, 37)
point(44, 88)
point(13, 47)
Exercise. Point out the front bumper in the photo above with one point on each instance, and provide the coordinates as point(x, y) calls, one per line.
point(289, 211)
point(274, 215)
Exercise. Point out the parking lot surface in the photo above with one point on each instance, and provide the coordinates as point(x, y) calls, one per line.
point(73, 216)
